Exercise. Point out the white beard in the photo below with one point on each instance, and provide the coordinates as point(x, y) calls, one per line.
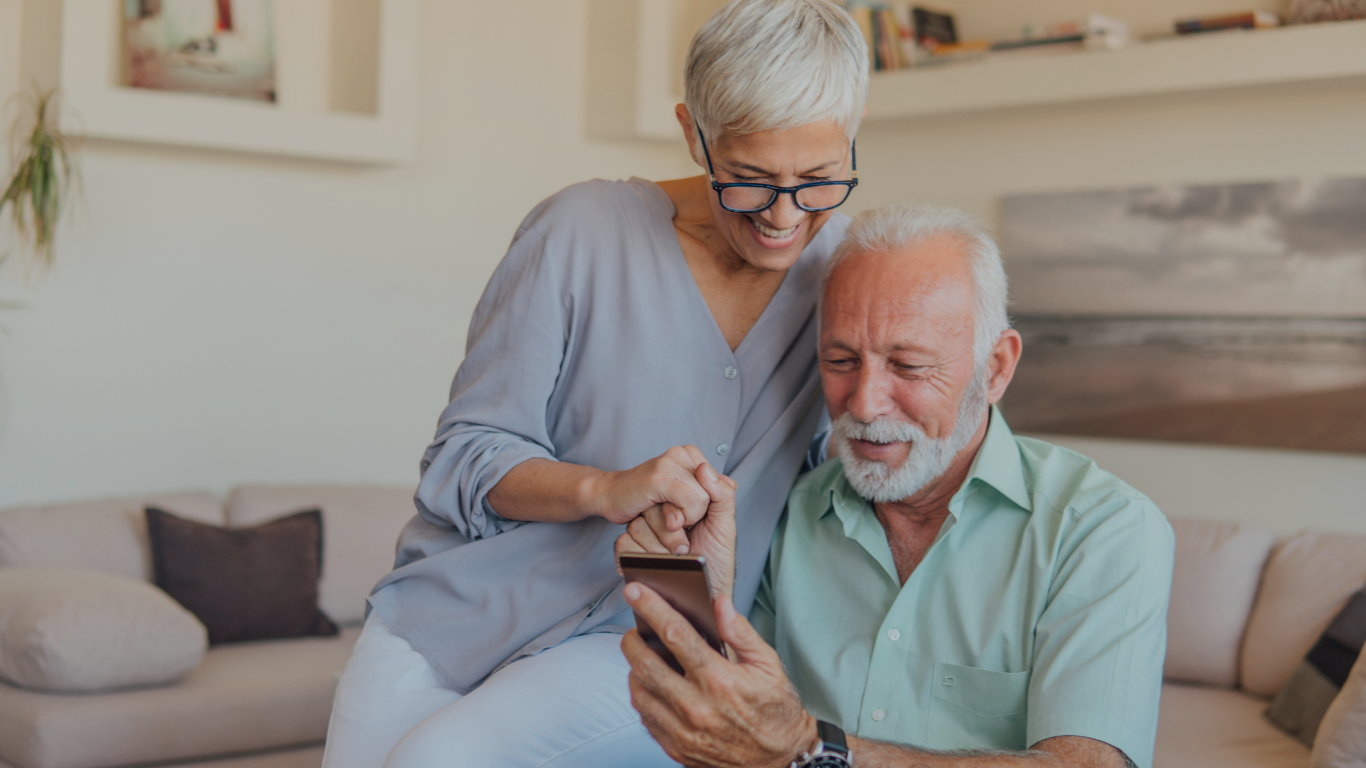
point(928, 459)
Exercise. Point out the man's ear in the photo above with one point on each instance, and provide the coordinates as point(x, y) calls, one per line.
point(1001, 365)
point(689, 127)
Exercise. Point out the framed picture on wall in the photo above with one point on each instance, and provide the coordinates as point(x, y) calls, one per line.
point(321, 80)
point(215, 47)
point(1231, 313)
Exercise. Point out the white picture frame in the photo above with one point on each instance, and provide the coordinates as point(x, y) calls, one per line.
point(100, 107)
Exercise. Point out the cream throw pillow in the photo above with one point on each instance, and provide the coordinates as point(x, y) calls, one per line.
point(1341, 740)
point(77, 631)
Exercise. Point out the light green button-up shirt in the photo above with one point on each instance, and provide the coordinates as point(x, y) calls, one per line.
point(1039, 611)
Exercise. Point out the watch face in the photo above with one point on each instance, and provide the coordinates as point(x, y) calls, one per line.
point(827, 761)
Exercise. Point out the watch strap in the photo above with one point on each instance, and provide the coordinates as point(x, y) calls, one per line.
point(832, 749)
point(832, 739)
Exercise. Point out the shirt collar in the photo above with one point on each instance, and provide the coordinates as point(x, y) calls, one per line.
point(996, 464)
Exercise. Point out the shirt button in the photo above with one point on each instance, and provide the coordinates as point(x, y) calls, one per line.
point(878, 715)
point(892, 634)
point(731, 372)
point(723, 449)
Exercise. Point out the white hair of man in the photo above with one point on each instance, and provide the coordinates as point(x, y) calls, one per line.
point(774, 65)
point(897, 228)
point(893, 229)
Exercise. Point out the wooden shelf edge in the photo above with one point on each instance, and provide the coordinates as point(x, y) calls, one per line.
point(1320, 52)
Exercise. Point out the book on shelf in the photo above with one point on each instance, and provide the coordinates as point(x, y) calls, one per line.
point(886, 29)
point(1248, 20)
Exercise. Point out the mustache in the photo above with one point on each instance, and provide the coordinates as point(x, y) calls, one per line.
point(880, 431)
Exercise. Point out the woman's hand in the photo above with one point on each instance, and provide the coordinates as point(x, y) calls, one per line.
point(664, 491)
point(713, 537)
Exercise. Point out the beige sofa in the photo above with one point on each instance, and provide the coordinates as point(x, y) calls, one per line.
point(1244, 612)
point(249, 705)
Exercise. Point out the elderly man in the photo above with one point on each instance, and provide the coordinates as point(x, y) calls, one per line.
point(944, 592)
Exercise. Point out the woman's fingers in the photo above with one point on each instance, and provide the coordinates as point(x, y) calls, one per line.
point(656, 525)
point(644, 537)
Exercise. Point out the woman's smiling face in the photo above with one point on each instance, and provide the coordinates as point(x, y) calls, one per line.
point(772, 240)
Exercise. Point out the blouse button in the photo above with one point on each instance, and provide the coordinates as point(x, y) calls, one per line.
point(878, 715)
point(723, 449)
point(731, 372)
point(892, 634)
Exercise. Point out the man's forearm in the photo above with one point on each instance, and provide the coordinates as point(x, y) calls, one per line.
point(1059, 752)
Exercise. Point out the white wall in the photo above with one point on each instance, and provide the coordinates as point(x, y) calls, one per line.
point(215, 319)
point(1282, 491)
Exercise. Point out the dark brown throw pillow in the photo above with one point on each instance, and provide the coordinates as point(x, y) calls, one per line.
point(255, 583)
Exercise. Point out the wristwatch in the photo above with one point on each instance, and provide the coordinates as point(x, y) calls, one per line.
point(832, 752)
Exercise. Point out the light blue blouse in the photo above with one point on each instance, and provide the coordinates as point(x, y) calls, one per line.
point(593, 345)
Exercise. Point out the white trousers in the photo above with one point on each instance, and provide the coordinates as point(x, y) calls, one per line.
point(565, 707)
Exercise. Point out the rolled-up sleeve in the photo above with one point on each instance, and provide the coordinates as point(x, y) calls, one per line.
point(1101, 640)
point(496, 418)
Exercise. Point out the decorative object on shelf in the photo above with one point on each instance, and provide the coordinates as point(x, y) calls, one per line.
point(1314, 11)
point(1096, 32)
point(214, 47)
point(1034, 35)
point(43, 174)
point(1107, 32)
point(932, 27)
point(1249, 20)
point(1231, 314)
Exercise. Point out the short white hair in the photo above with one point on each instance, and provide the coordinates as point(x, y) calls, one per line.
point(895, 228)
point(774, 65)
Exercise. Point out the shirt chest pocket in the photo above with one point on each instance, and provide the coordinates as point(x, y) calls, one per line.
point(976, 708)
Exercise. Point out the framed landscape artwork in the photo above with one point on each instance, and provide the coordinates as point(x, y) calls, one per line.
point(1229, 314)
point(214, 47)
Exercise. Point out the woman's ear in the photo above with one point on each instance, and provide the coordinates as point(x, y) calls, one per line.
point(689, 127)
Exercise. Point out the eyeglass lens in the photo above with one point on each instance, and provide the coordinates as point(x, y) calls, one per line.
point(758, 198)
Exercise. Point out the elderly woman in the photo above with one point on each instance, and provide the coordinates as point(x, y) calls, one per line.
point(636, 340)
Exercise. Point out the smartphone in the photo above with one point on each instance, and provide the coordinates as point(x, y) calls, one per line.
point(682, 581)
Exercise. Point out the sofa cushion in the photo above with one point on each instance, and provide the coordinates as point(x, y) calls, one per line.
point(1301, 703)
point(242, 698)
point(1201, 727)
point(1307, 581)
point(1341, 740)
point(108, 535)
point(1214, 584)
point(74, 631)
point(360, 530)
point(257, 583)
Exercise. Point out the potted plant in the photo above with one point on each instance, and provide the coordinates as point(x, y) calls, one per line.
point(42, 175)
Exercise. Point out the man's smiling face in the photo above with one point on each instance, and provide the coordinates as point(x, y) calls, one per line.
point(896, 357)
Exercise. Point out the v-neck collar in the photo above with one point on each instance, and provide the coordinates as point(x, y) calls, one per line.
point(667, 236)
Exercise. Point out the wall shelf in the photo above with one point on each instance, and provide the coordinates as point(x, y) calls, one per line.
point(77, 44)
point(1300, 54)
point(636, 57)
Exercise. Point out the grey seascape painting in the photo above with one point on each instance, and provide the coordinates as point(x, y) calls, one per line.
point(1231, 314)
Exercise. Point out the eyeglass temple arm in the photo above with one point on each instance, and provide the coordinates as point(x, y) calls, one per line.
point(853, 152)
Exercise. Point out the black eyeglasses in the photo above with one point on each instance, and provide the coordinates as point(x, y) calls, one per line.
point(751, 198)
